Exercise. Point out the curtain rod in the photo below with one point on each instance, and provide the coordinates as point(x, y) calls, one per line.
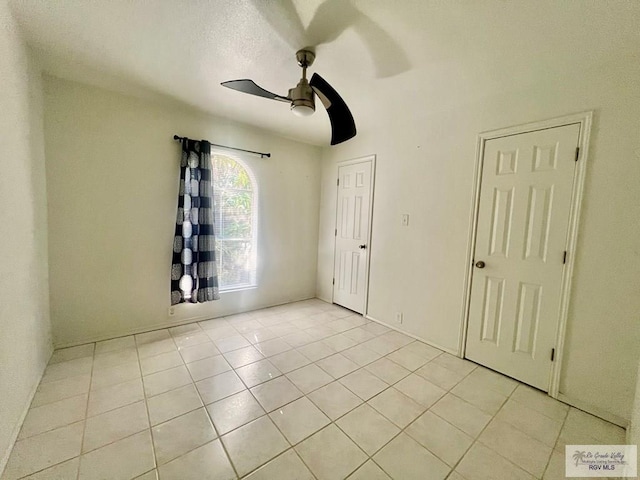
point(262, 154)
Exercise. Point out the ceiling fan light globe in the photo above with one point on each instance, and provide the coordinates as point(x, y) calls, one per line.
point(301, 109)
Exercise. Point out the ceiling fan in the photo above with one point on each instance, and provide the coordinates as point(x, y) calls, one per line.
point(302, 98)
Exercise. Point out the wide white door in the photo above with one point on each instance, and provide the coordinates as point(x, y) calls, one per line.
point(521, 235)
point(352, 234)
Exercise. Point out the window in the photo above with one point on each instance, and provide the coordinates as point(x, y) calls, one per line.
point(235, 198)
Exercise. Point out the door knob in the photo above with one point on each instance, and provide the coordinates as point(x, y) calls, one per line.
point(362, 247)
point(480, 264)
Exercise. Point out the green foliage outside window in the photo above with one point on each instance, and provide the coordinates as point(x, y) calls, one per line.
point(235, 201)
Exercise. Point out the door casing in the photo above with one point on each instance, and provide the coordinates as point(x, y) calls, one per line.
point(343, 163)
point(585, 120)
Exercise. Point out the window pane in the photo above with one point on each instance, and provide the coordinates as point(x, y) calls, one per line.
point(236, 209)
point(230, 174)
point(236, 263)
point(234, 199)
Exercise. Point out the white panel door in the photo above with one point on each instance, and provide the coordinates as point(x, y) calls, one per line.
point(521, 235)
point(352, 234)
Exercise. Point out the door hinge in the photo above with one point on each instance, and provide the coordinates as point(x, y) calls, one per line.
point(564, 257)
point(338, 182)
point(333, 282)
point(553, 354)
point(577, 153)
point(336, 233)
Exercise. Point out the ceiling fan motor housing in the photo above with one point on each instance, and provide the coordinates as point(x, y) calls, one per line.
point(302, 101)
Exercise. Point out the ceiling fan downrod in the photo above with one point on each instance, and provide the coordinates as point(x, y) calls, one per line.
point(302, 98)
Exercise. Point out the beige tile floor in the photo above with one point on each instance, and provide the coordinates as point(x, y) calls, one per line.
point(301, 391)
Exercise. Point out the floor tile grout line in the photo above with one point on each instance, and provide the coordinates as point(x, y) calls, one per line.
point(86, 413)
point(213, 425)
point(314, 362)
point(334, 421)
point(82, 453)
point(195, 321)
point(477, 440)
point(88, 395)
point(526, 434)
point(553, 449)
point(304, 395)
point(290, 449)
point(265, 358)
point(404, 430)
point(400, 432)
point(511, 399)
point(67, 425)
point(32, 406)
point(267, 414)
point(19, 439)
point(146, 408)
point(121, 406)
point(291, 446)
point(542, 413)
point(129, 435)
point(53, 464)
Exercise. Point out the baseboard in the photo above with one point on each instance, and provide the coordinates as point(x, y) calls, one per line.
point(23, 415)
point(324, 299)
point(596, 411)
point(135, 331)
point(165, 324)
point(432, 344)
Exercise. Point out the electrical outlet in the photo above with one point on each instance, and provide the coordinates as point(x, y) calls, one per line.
point(398, 317)
point(405, 219)
point(171, 311)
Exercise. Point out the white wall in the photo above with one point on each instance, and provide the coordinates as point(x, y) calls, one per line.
point(25, 344)
point(112, 175)
point(425, 165)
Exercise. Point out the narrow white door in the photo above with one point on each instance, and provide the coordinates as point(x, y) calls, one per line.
point(523, 220)
point(352, 234)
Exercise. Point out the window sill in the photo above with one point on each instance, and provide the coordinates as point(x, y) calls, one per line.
point(237, 289)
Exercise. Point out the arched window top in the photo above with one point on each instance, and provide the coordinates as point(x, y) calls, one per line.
point(235, 198)
point(231, 172)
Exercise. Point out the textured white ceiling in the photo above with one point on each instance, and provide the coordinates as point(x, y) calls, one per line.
point(384, 57)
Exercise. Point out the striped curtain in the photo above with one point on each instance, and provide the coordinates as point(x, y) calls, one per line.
point(194, 271)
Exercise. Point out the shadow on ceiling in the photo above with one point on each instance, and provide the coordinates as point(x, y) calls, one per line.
point(329, 21)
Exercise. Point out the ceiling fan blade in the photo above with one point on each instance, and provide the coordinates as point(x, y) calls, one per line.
point(284, 19)
point(343, 127)
point(249, 86)
point(330, 20)
point(389, 59)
